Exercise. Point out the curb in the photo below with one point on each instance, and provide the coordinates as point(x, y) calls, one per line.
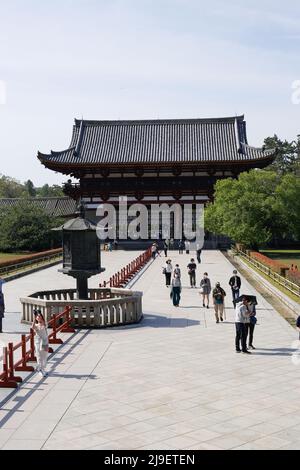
point(31, 271)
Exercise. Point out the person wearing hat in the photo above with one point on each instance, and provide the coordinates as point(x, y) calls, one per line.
point(167, 271)
point(218, 299)
point(235, 284)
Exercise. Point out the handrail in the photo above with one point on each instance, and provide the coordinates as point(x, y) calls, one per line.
point(7, 377)
point(286, 283)
point(5, 270)
point(122, 277)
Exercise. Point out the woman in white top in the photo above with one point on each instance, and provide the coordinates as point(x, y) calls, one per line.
point(41, 342)
point(168, 272)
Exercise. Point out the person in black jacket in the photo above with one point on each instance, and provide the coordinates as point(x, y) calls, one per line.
point(235, 284)
point(192, 272)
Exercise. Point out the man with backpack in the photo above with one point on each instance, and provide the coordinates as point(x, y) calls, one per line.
point(218, 299)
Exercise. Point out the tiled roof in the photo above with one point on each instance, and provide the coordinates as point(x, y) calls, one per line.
point(56, 207)
point(157, 141)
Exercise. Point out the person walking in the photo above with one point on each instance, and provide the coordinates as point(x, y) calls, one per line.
point(252, 322)
point(192, 272)
point(165, 247)
point(153, 251)
point(177, 270)
point(187, 246)
point(176, 290)
point(235, 284)
point(168, 272)
point(218, 299)
point(205, 289)
point(181, 246)
point(41, 342)
point(242, 314)
point(198, 253)
point(2, 309)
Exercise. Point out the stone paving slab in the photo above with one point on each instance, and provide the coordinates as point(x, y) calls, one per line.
point(173, 381)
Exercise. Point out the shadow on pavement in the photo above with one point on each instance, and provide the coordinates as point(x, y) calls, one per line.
point(160, 321)
point(20, 400)
point(275, 351)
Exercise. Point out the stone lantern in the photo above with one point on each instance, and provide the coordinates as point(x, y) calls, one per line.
point(81, 251)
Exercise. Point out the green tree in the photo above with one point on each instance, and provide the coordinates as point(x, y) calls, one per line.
point(287, 156)
point(10, 188)
point(247, 209)
point(50, 191)
point(26, 228)
point(288, 204)
point(29, 188)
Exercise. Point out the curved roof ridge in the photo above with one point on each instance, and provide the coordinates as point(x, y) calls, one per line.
point(54, 153)
point(157, 121)
point(260, 149)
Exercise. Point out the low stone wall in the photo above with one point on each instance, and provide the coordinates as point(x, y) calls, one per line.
point(105, 307)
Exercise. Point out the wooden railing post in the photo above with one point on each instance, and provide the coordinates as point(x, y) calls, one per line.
point(24, 367)
point(68, 328)
point(11, 376)
point(54, 339)
point(32, 357)
point(5, 382)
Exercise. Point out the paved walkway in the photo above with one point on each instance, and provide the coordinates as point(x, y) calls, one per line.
point(172, 382)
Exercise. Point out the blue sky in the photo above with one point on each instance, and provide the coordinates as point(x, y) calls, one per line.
point(135, 59)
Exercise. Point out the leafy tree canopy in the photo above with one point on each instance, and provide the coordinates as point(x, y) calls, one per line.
point(26, 228)
point(256, 208)
point(288, 155)
point(11, 188)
